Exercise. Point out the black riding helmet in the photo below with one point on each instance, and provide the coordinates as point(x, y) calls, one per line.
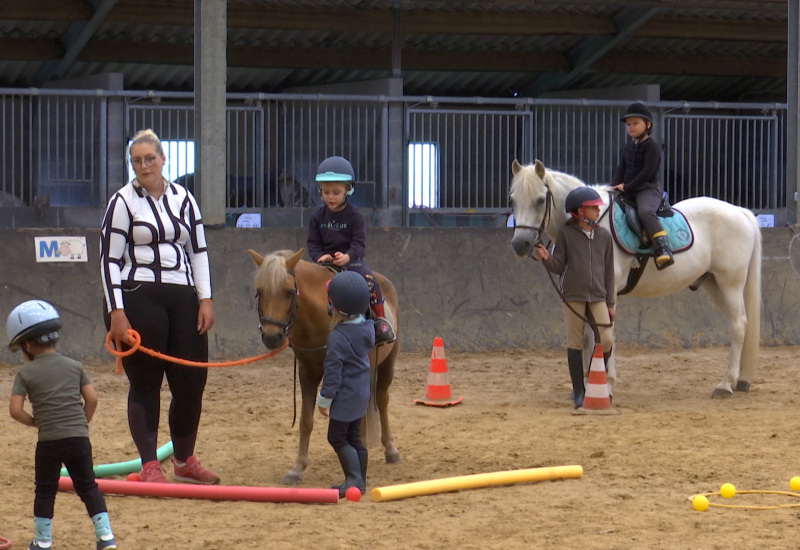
point(582, 196)
point(348, 292)
point(638, 109)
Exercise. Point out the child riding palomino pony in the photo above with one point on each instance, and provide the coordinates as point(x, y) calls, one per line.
point(293, 304)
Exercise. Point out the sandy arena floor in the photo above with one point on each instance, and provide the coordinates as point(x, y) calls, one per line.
point(669, 441)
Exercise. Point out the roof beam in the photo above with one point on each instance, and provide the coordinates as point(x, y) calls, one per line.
point(29, 49)
point(589, 50)
point(148, 53)
point(45, 10)
point(414, 22)
point(74, 39)
point(700, 66)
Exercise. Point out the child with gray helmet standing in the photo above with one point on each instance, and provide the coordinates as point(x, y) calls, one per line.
point(63, 401)
point(637, 175)
point(584, 257)
point(344, 395)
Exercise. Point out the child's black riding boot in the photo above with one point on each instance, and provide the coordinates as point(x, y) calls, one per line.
point(575, 362)
point(384, 333)
point(663, 252)
point(362, 459)
point(607, 357)
point(351, 466)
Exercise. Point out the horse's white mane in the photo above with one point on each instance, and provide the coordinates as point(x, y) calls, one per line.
point(526, 184)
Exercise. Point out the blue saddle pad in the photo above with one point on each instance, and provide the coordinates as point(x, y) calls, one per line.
point(679, 232)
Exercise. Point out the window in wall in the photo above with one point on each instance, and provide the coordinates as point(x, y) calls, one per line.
point(423, 175)
point(180, 159)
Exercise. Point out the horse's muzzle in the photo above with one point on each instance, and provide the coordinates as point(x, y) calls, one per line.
point(273, 341)
point(523, 242)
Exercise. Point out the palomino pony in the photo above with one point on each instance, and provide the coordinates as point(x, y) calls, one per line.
point(725, 259)
point(293, 304)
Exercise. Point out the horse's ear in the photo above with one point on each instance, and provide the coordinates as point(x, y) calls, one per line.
point(292, 260)
point(540, 171)
point(257, 258)
point(516, 167)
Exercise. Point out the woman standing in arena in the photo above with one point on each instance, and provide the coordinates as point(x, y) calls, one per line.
point(156, 278)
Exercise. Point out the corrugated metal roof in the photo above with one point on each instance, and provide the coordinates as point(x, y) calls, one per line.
point(694, 49)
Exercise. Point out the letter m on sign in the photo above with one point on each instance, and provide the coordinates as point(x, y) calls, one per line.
point(48, 249)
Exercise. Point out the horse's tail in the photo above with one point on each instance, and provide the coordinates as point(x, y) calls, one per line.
point(371, 430)
point(752, 305)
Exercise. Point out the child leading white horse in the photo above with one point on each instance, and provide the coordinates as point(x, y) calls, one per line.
point(724, 260)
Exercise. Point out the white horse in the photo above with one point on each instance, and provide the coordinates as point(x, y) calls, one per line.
point(725, 259)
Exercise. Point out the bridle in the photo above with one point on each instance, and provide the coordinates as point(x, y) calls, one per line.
point(286, 325)
point(548, 202)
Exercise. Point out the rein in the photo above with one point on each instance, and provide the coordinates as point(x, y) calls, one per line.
point(285, 327)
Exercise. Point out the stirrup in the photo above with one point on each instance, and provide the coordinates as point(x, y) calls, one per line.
point(664, 264)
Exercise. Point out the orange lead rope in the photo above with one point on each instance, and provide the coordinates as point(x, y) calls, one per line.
point(137, 341)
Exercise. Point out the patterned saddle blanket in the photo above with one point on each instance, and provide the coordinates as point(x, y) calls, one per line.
point(679, 232)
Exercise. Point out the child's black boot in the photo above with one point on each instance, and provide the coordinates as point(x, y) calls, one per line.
point(575, 363)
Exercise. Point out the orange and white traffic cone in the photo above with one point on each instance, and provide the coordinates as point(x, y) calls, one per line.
point(437, 391)
point(597, 398)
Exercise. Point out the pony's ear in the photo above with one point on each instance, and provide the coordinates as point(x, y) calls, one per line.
point(540, 169)
point(292, 260)
point(257, 258)
point(516, 167)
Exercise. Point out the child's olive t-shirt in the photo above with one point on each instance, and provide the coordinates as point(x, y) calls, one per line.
point(52, 383)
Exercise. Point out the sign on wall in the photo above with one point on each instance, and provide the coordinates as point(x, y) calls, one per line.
point(60, 249)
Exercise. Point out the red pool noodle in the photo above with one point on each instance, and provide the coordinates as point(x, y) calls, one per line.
point(211, 492)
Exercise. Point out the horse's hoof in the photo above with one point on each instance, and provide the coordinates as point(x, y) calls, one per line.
point(721, 394)
point(290, 478)
point(743, 385)
point(393, 457)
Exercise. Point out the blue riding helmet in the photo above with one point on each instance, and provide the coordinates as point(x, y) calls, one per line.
point(337, 169)
point(348, 292)
point(32, 320)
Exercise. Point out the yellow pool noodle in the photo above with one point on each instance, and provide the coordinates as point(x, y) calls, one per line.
point(475, 481)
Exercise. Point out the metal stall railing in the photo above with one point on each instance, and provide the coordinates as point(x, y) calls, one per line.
point(66, 148)
point(52, 149)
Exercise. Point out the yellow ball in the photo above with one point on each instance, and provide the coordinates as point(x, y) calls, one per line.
point(794, 483)
point(700, 503)
point(727, 490)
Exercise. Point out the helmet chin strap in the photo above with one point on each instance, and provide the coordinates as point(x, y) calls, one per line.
point(590, 223)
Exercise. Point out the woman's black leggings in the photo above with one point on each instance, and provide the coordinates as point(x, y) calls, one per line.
point(165, 316)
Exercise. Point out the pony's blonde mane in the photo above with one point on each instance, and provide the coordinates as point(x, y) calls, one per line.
point(272, 271)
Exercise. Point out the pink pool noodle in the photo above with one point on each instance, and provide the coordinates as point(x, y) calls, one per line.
point(211, 492)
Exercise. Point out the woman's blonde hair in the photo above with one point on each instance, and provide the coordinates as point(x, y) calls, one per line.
point(146, 136)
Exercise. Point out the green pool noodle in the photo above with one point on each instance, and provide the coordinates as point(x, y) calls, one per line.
point(130, 466)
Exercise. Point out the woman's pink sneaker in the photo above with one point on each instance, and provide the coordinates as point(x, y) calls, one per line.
point(193, 472)
point(152, 473)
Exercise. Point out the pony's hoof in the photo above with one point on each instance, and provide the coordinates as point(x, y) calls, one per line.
point(393, 457)
point(290, 478)
point(721, 394)
point(743, 385)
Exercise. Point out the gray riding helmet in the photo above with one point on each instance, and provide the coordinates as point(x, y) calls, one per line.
point(337, 169)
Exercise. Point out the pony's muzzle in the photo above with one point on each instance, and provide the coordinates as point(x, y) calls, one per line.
point(524, 241)
point(272, 341)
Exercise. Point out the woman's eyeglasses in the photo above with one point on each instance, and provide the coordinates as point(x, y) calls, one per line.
point(146, 161)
